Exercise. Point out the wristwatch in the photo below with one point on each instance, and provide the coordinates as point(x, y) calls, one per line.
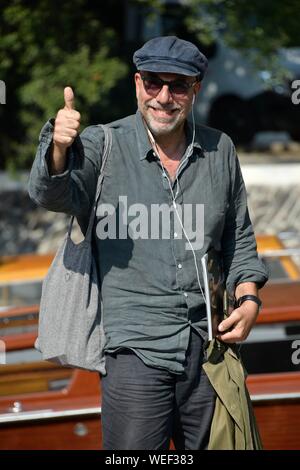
point(242, 299)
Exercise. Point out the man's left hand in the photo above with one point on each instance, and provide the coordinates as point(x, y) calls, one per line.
point(237, 326)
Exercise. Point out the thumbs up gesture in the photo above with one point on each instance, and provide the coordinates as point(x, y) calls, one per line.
point(67, 123)
point(66, 126)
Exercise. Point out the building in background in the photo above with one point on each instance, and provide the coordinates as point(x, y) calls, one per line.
point(235, 97)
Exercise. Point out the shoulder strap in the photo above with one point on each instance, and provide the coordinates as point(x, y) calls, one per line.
point(105, 155)
point(106, 152)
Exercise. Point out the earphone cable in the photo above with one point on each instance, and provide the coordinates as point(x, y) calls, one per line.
point(174, 196)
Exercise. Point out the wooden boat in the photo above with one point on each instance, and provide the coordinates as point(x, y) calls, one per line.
point(21, 279)
point(270, 353)
point(271, 359)
point(43, 406)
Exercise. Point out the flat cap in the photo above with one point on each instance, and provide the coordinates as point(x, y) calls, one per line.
point(171, 54)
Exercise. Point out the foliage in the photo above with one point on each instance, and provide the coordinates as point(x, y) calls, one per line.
point(46, 45)
point(263, 25)
point(257, 27)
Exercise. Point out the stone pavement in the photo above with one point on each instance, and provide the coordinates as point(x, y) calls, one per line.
point(274, 209)
point(272, 180)
point(273, 187)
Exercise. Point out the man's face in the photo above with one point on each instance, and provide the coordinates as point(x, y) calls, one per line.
point(164, 107)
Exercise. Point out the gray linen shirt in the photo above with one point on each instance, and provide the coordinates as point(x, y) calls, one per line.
point(151, 297)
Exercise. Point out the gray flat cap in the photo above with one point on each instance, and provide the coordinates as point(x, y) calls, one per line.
point(171, 54)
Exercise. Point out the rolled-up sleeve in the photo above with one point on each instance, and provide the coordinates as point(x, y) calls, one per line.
point(241, 261)
point(71, 192)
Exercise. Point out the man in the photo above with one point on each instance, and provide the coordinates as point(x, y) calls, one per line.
point(154, 309)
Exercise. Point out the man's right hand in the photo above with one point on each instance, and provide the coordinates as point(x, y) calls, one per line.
point(66, 126)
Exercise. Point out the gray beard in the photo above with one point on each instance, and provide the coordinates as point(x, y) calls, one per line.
point(158, 131)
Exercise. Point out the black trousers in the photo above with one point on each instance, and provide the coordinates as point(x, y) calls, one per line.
point(144, 407)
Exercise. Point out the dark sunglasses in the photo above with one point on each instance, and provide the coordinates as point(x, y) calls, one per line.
point(178, 88)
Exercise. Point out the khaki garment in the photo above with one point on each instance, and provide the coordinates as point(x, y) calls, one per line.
point(233, 426)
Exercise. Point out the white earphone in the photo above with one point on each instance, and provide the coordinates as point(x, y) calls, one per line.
point(194, 97)
point(175, 196)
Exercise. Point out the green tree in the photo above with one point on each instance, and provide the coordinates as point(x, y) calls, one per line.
point(46, 45)
point(258, 27)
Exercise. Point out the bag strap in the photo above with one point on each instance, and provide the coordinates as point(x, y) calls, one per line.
point(106, 152)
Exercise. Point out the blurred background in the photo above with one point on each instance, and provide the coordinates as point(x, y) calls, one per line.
point(251, 91)
point(254, 57)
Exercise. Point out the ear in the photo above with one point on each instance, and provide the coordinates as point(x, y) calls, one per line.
point(137, 80)
point(197, 87)
point(136, 77)
point(196, 90)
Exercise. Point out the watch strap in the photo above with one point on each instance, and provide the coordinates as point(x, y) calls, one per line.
point(243, 298)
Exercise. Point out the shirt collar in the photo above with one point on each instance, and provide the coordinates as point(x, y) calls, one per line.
point(144, 145)
point(143, 141)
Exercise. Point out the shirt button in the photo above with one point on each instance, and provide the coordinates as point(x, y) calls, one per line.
point(179, 266)
point(175, 235)
point(185, 294)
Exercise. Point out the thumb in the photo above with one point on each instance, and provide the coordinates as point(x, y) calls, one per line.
point(69, 98)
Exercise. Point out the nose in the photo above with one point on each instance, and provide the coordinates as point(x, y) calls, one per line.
point(164, 96)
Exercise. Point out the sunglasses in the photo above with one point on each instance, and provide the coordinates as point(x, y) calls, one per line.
point(178, 88)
